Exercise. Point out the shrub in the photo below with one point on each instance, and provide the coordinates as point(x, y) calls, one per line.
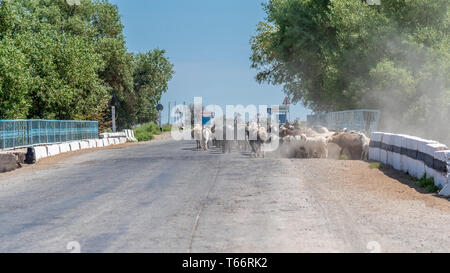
point(427, 183)
point(167, 128)
point(147, 131)
point(375, 165)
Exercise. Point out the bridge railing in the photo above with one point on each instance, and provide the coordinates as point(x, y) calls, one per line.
point(24, 133)
point(358, 120)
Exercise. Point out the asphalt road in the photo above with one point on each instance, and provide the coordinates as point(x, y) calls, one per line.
point(167, 197)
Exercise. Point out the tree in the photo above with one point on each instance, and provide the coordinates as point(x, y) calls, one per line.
point(61, 61)
point(346, 54)
point(152, 73)
point(15, 81)
point(63, 65)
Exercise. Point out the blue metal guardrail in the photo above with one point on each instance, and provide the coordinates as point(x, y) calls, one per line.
point(358, 120)
point(24, 133)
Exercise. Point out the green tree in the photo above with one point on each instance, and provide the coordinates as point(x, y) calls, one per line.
point(63, 65)
point(61, 61)
point(346, 54)
point(152, 73)
point(15, 81)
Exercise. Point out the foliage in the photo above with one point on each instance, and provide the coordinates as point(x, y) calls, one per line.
point(147, 131)
point(346, 54)
point(61, 61)
point(167, 128)
point(15, 80)
point(427, 183)
point(152, 73)
point(375, 165)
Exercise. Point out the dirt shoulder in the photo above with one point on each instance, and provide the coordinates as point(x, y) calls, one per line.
point(384, 183)
point(163, 136)
point(381, 205)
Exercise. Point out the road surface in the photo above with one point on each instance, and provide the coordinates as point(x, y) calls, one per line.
point(167, 197)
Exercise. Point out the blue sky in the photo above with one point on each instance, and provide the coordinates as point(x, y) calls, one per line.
point(208, 42)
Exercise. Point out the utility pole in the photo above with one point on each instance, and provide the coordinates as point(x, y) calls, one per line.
point(113, 117)
point(168, 115)
point(113, 103)
point(159, 108)
point(159, 120)
point(175, 118)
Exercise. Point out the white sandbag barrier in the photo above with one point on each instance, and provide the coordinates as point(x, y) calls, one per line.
point(113, 135)
point(105, 142)
point(36, 153)
point(404, 153)
point(84, 145)
point(423, 157)
point(74, 146)
point(53, 150)
point(92, 143)
point(40, 152)
point(64, 147)
point(446, 190)
point(130, 135)
point(111, 141)
point(375, 146)
point(415, 156)
point(411, 151)
point(442, 166)
point(397, 160)
point(99, 143)
point(388, 141)
point(428, 154)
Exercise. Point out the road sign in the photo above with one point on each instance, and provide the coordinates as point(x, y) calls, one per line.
point(282, 118)
point(159, 107)
point(286, 101)
point(113, 102)
point(283, 108)
point(207, 116)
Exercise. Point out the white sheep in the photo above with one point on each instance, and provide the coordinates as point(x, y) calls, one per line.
point(258, 136)
point(315, 146)
point(365, 145)
point(197, 135)
point(263, 137)
point(206, 137)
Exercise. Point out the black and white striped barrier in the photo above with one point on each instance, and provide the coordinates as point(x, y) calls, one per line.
point(418, 157)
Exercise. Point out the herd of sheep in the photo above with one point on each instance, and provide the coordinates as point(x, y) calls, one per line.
point(293, 140)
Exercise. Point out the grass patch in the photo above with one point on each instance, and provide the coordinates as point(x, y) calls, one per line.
point(427, 183)
point(167, 128)
point(375, 165)
point(148, 131)
point(343, 157)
